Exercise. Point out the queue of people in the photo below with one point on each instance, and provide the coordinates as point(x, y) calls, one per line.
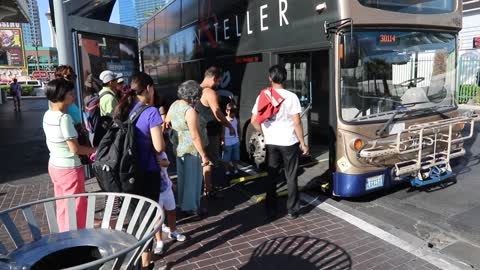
point(198, 129)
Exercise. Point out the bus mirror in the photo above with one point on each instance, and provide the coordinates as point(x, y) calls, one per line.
point(348, 51)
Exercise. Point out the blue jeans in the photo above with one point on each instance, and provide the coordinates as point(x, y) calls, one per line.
point(231, 152)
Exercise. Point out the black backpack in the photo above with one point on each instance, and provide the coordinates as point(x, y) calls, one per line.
point(115, 166)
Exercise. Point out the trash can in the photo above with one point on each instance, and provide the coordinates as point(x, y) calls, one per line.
point(116, 242)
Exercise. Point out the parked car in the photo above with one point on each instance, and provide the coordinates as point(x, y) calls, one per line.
point(34, 83)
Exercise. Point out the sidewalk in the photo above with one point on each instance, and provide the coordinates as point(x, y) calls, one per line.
point(235, 235)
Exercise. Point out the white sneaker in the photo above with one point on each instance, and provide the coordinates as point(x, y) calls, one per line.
point(165, 228)
point(175, 235)
point(158, 248)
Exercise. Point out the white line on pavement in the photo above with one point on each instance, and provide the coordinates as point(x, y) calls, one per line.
point(417, 250)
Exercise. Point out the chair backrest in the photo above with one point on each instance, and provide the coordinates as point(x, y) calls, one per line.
point(29, 224)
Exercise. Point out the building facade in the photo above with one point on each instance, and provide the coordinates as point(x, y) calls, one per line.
point(32, 32)
point(136, 12)
point(47, 59)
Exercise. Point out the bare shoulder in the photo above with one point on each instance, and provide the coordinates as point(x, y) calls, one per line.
point(209, 96)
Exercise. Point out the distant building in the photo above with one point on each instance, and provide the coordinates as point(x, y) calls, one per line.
point(47, 59)
point(32, 32)
point(136, 12)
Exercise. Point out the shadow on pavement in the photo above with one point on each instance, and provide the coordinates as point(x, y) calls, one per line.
point(298, 252)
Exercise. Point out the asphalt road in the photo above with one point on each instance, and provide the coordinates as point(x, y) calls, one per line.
point(23, 152)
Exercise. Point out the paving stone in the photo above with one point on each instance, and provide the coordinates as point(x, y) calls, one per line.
point(236, 235)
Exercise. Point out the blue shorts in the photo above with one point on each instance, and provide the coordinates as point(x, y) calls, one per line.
point(231, 152)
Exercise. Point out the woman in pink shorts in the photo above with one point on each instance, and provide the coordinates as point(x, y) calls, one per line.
point(64, 166)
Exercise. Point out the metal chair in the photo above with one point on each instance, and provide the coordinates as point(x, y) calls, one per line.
point(36, 243)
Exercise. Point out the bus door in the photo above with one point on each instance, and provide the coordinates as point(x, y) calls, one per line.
point(308, 76)
point(298, 81)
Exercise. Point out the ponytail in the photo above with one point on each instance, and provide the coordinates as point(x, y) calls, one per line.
point(127, 102)
point(125, 105)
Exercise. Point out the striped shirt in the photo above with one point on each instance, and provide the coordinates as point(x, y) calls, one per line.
point(58, 128)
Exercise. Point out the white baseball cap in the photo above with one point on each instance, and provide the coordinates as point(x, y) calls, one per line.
point(107, 76)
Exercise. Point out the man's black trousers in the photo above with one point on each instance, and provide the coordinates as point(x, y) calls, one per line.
point(285, 157)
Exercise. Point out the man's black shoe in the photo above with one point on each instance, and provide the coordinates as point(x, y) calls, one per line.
point(292, 216)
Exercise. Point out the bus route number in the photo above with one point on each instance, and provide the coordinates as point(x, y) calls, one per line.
point(388, 39)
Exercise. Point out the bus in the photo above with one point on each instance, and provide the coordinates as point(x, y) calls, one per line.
point(376, 79)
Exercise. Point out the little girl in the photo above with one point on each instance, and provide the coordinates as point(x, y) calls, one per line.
point(231, 143)
point(167, 202)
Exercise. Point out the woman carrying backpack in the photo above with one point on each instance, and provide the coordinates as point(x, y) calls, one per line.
point(64, 166)
point(149, 136)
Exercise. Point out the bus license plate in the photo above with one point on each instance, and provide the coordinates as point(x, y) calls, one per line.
point(374, 182)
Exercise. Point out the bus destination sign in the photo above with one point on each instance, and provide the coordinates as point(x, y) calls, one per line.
point(388, 39)
point(248, 59)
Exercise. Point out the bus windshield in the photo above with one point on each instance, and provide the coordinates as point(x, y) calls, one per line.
point(415, 7)
point(381, 72)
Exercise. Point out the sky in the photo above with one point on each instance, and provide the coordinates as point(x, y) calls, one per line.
point(42, 9)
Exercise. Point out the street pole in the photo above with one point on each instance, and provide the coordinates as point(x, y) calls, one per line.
point(38, 61)
point(64, 34)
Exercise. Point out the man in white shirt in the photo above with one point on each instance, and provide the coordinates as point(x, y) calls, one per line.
point(283, 133)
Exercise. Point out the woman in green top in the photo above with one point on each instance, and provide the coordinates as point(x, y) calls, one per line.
point(64, 166)
point(187, 145)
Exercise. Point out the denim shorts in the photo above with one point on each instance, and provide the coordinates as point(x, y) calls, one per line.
point(231, 152)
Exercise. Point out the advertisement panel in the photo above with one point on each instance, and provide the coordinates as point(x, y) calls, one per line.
point(99, 52)
point(12, 51)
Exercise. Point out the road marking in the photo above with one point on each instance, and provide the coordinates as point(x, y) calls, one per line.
point(419, 251)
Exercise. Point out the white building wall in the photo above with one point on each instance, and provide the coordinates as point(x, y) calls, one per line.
point(471, 29)
point(469, 58)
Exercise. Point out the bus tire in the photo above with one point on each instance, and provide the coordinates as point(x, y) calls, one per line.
point(255, 146)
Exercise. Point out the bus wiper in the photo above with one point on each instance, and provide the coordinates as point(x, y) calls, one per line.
point(400, 109)
point(403, 109)
point(434, 110)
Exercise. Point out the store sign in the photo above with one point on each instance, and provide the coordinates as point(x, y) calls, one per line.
point(476, 42)
point(40, 74)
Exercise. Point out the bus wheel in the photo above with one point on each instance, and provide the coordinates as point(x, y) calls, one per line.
point(256, 149)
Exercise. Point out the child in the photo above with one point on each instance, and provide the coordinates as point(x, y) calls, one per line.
point(231, 144)
point(167, 202)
